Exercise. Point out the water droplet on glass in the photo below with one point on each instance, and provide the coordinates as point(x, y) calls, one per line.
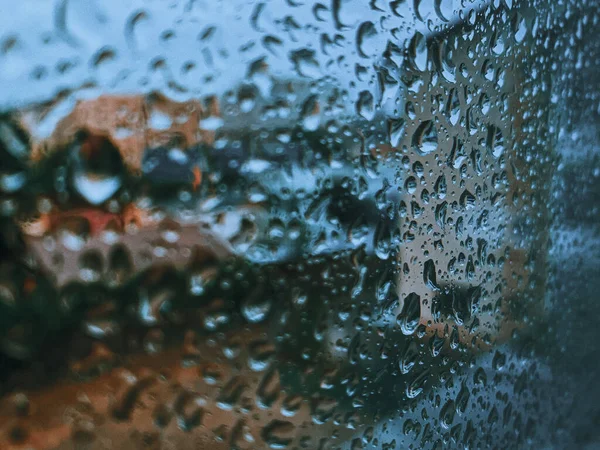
point(366, 39)
point(411, 314)
point(278, 434)
point(425, 138)
point(365, 105)
point(418, 52)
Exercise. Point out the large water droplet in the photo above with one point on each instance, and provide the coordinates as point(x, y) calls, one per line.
point(411, 314)
point(418, 52)
point(425, 138)
point(278, 434)
point(366, 39)
point(495, 141)
point(257, 305)
point(365, 105)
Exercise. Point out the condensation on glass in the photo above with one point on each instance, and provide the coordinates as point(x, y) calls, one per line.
point(298, 224)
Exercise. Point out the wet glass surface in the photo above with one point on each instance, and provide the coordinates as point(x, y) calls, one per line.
point(299, 224)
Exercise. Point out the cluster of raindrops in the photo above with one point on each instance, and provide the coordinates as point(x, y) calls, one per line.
point(317, 225)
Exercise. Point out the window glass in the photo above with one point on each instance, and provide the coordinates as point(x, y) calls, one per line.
point(297, 224)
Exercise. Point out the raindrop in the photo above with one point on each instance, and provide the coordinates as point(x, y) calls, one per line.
point(417, 384)
point(519, 26)
point(495, 141)
point(447, 414)
point(278, 434)
point(396, 131)
point(311, 113)
point(425, 138)
point(90, 266)
point(418, 52)
point(97, 168)
point(411, 314)
point(268, 390)
point(365, 105)
point(366, 39)
point(256, 306)
point(497, 43)
point(444, 9)
point(306, 64)
point(189, 410)
point(453, 109)
point(429, 275)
